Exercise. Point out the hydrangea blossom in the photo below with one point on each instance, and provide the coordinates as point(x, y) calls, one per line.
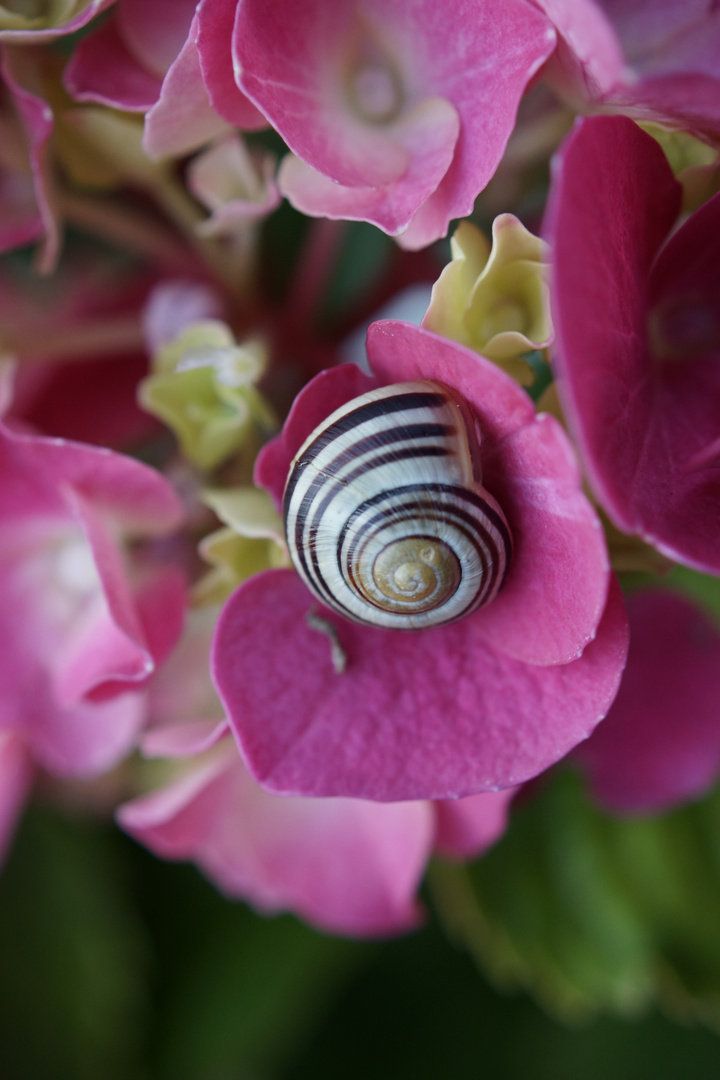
point(657, 61)
point(454, 710)
point(395, 114)
point(79, 638)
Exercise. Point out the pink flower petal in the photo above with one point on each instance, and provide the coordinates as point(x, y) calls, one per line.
point(155, 30)
point(639, 386)
point(347, 866)
point(87, 739)
point(431, 715)
point(102, 69)
point(660, 743)
point(139, 499)
point(214, 32)
point(428, 134)
point(187, 739)
point(468, 827)
point(183, 118)
point(160, 605)
point(657, 61)
point(59, 498)
point(589, 59)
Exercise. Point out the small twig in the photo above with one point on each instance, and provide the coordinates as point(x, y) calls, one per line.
point(337, 653)
point(134, 230)
point(94, 340)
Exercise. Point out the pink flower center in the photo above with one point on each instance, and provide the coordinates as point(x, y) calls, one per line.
point(374, 86)
point(376, 94)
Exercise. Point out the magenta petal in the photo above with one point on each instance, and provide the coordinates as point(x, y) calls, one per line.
point(155, 30)
point(467, 827)
point(622, 214)
point(102, 69)
point(215, 24)
point(347, 866)
point(555, 593)
point(431, 715)
point(185, 739)
point(289, 65)
point(159, 610)
point(87, 739)
point(660, 743)
point(182, 119)
point(402, 352)
point(588, 60)
point(429, 135)
point(641, 393)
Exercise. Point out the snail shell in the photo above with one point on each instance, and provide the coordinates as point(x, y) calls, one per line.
point(384, 517)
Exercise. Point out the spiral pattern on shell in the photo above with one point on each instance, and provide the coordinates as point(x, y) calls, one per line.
point(386, 521)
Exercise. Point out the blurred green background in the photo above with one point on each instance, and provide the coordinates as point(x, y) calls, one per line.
point(116, 965)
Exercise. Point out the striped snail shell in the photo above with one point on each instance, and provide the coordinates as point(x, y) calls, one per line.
point(385, 518)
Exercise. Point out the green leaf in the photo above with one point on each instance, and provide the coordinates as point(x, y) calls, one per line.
point(594, 913)
point(74, 957)
point(249, 990)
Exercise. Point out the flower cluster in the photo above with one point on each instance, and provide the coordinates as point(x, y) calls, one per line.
point(176, 393)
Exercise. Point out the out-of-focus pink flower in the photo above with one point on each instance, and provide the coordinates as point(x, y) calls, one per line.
point(450, 711)
point(78, 639)
point(346, 865)
point(349, 866)
point(637, 346)
point(465, 828)
point(78, 337)
point(236, 186)
point(397, 113)
point(657, 60)
point(660, 743)
point(145, 59)
point(26, 199)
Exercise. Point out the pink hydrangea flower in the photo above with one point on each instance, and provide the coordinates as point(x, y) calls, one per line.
point(346, 865)
point(349, 866)
point(657, 61)
point(637, 336)
point(472, 706)
point(396, 114)
point(145, 59)
point(78, 637)
point(660, 743)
